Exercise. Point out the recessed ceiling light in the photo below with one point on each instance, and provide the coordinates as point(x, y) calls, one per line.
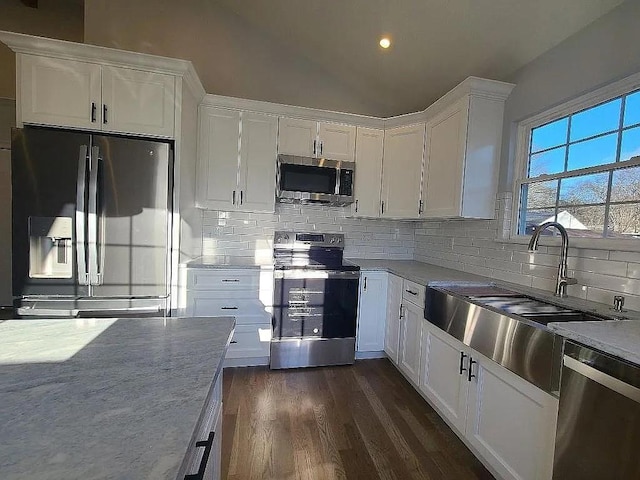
point(385, 42)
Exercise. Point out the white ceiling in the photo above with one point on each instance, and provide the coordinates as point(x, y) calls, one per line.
point(436, 43)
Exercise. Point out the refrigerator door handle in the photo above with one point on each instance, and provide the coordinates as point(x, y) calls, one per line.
point(81, 253)
point(92, 224)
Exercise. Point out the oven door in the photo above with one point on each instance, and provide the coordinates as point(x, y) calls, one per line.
point(315, 304)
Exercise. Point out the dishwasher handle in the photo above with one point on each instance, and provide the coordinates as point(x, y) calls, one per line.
point(604, 379)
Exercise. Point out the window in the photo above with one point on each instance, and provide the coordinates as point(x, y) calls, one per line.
point(583, 171)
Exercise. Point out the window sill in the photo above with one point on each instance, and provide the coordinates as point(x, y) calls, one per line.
point(579, 243)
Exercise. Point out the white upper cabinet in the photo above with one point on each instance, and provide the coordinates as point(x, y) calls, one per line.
point(237, 160)
point(76, 94)
point(401, 171)
point(462, 154)
point(219, 131)
point(60, 92)
point(368, 178)
point(297, 137)
point(137, 101)
point(307, 138)
point(258, 155)
point(337, 142)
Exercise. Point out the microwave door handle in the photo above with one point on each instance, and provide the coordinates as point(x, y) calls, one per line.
point(92, 224)
point(81, 252)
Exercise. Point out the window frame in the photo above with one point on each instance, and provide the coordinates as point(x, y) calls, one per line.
point(523, 139)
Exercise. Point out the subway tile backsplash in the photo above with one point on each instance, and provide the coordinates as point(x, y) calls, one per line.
point(251, 234)
point(473, 246)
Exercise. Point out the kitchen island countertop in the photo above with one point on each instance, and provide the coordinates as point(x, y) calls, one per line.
point(104, 398)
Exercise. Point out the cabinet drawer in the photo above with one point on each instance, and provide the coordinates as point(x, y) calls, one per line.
point(413, 292)
point(228, 280)
point(245, 310)
point(250, 341)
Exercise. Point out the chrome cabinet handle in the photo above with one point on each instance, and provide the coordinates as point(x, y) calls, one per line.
point(383, 207)
point(233, 197)
point(104, 114)
point(93, 112)
point(314, 146)
point(207, 444)
point(420, 207)
point(356, 205)
point(321, 145)
point(411, 292)
point(365, 284)
point(228, 308)
point(228, 280)
point(401, 314)
point(241, 196)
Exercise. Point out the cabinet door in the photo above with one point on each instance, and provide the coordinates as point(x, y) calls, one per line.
point(511, 422)
point(410, 325)
point(443, 376)
point(297, 137)
point(372, 311)
point(137, 102)
point(59, 92)
point(401, 171)
point(337, 142)
point(368, 177)
point(258, 155)
point(445, 149)
point(218, 135)
point(392, 330)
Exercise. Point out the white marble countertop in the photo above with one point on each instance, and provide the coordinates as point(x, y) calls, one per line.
point(229, 262)
point(104, 398)
point(619, 338)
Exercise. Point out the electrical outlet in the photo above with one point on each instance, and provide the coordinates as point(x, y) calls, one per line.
point(367, 237)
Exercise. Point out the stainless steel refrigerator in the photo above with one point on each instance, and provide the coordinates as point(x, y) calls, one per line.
point(91, 223)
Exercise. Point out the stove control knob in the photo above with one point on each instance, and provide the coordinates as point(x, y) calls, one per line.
point(315, 330)
point(332, 240)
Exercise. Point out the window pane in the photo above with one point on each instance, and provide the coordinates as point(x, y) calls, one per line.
point(583, 221)
point(533, 218)
point(596, 120)
point(625, 185)
point(598, 151)
point(632, 109)
point(550, 161)
point(624, 220)
point(549, 135)
point(539, 195)
point(584, 189)
point(630, 146)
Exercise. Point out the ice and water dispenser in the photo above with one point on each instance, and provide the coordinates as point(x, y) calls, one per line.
point(50, 247)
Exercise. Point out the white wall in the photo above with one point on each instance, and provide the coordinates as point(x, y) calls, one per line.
point(52, 18)
point(231, 57)
point(605, 51)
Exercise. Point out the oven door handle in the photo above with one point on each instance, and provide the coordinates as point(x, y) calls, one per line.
point(612, 383)
point(319, 274)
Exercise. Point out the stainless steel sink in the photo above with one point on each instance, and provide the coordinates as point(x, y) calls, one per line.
point(506, 326)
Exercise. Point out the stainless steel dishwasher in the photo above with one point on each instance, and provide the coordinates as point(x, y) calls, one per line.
point(598, 433)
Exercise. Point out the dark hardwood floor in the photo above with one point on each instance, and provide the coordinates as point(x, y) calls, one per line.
point(351, 422)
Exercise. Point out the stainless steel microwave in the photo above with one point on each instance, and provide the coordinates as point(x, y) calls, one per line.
point(314, 180)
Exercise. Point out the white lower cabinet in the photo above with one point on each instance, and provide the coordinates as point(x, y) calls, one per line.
point(245, 294)
point(372, 311)
point(409, 357)
point(392, 329)
point(506, 420)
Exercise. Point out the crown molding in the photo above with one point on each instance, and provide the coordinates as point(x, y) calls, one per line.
point(292, 111)
point(51, 47)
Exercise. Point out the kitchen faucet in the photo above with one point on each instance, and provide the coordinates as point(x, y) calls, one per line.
point(562, 280)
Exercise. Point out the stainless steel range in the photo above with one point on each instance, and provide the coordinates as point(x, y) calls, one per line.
point(315, 301)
